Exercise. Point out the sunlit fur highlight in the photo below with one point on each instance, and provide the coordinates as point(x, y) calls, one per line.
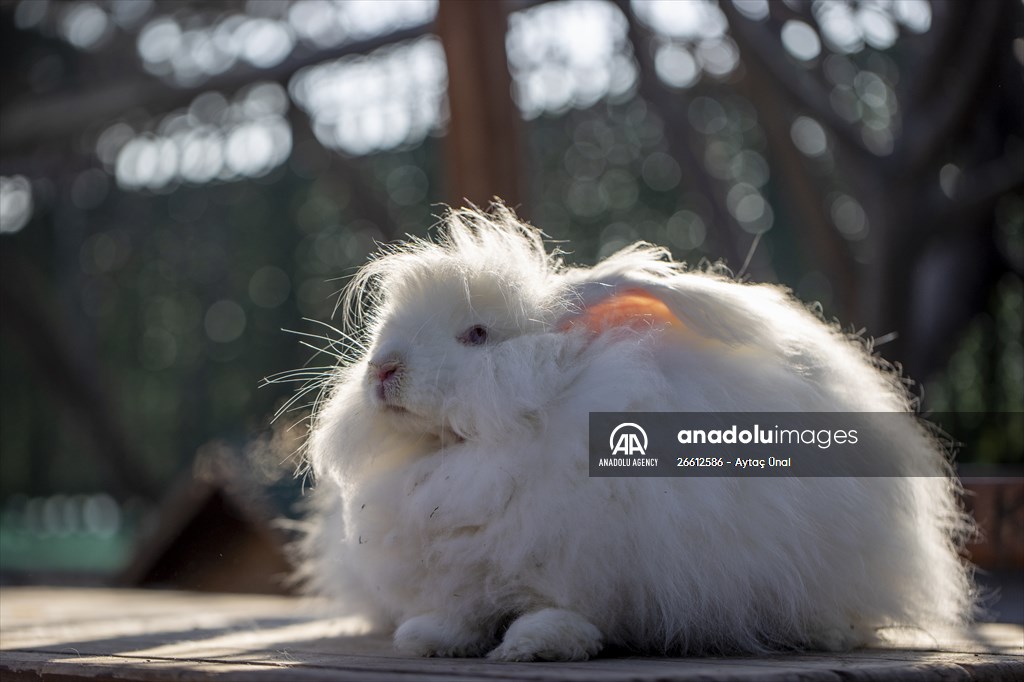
point(471, 508)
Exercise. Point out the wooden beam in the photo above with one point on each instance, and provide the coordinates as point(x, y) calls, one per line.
point(483, 157)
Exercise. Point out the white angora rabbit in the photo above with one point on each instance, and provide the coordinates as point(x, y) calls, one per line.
point(453, 500)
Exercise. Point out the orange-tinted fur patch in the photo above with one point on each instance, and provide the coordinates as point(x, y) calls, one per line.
point(633, 308)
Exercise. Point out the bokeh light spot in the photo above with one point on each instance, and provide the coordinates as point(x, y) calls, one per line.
point(916, 15)
point(692, 20)
point(676, 66)
point(16, 203)
point(752, 9)
point(686, 230)
point(800, 40)
point(225, 321)
point(101, 515)
point(808, 136)
point(849, 217)
point(949, 179)
point(877, 27)
point(85, 25)
point(265, 43)
point(661, 172)
point(718, 57)
point(749, 208)
point(707, 115)
point(159, 40)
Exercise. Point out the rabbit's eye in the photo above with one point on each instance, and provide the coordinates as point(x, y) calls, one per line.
point(474, 336)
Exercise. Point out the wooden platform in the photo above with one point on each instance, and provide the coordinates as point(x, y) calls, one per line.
point(76, 634)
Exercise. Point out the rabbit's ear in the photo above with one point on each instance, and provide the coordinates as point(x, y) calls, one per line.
point(632, 308)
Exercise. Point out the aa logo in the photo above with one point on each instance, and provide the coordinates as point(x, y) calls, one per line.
point(628, 439)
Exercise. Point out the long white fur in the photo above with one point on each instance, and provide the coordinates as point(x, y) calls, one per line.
point(468, 521)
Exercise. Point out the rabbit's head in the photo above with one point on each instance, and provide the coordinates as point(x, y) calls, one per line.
point(455, 327)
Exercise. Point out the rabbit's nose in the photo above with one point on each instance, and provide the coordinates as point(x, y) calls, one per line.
point(385, 374)
point(387, 370)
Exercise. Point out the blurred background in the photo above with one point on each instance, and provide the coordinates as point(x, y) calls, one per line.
point(183, 180)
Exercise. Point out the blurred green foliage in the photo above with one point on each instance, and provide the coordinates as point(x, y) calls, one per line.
point(169, 298)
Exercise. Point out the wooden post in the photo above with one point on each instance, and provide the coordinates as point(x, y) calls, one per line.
point(482, 148)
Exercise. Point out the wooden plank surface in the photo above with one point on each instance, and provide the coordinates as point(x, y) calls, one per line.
point(150, 636)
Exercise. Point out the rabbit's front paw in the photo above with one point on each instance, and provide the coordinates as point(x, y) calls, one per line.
point(549, 635)
point(432, 635)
